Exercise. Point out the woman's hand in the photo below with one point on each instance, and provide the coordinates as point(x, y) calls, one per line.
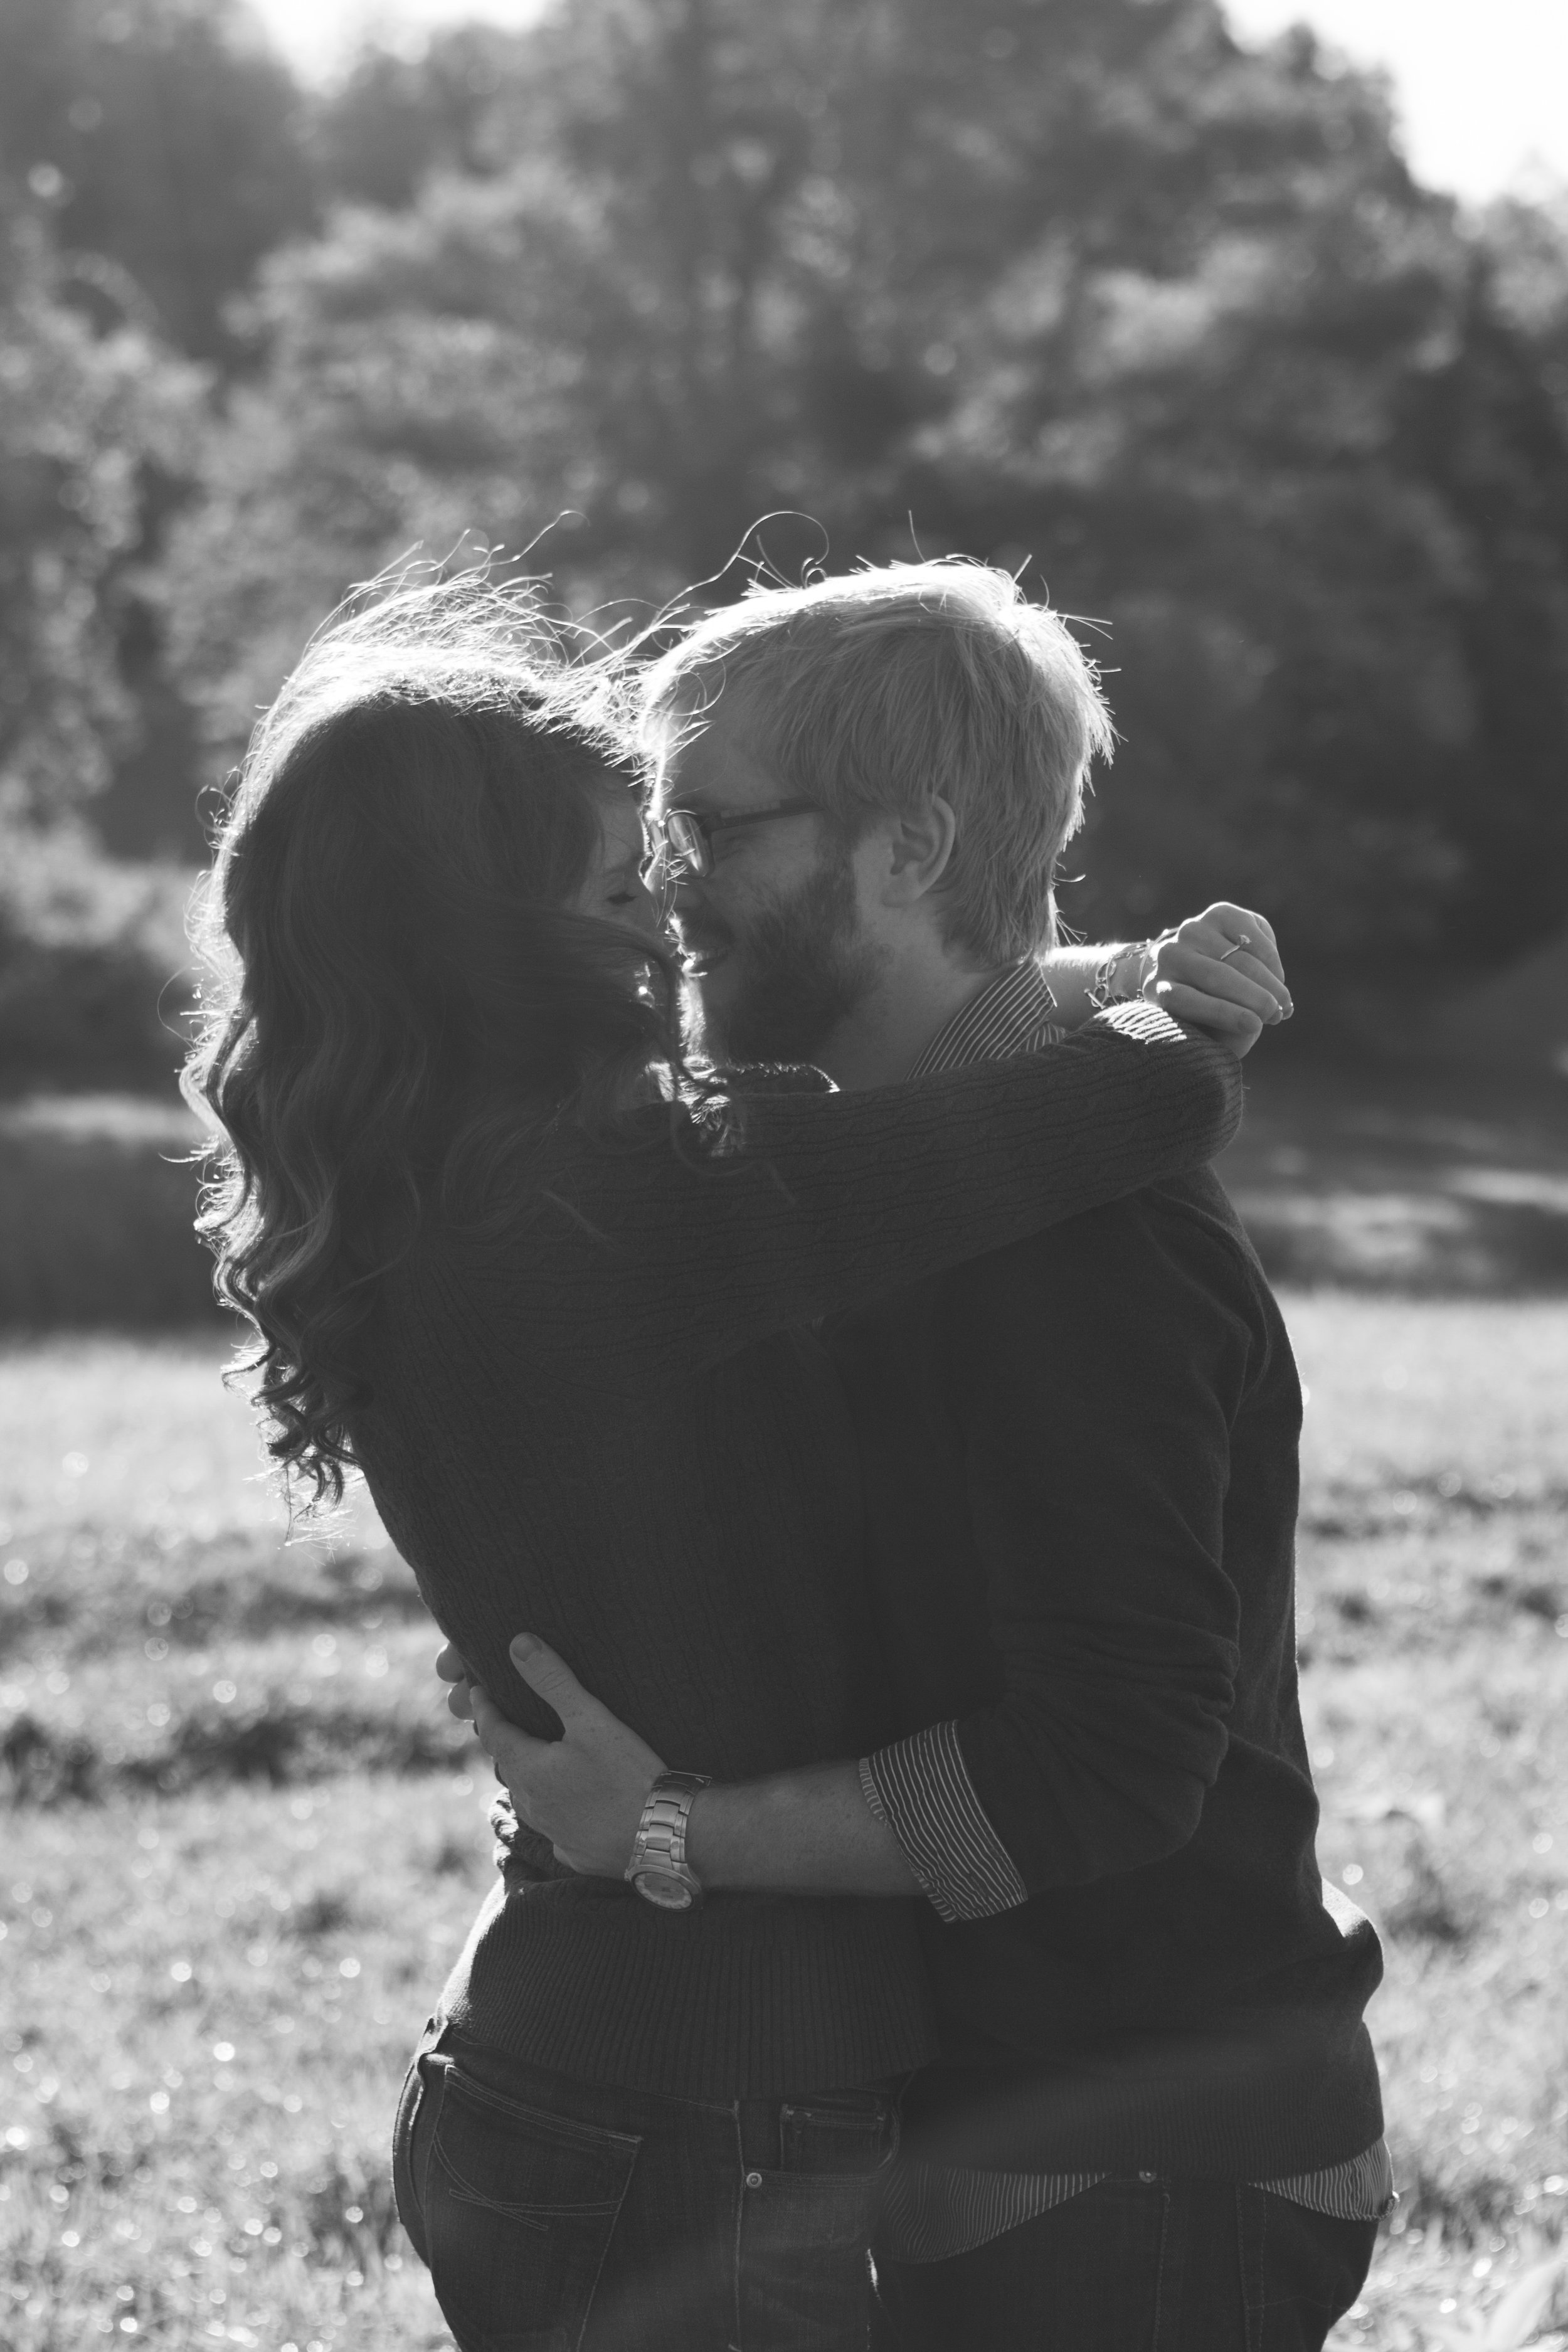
point(1221, 971)
point(584, 1791)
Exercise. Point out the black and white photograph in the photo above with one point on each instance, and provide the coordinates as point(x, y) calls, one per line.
point(784, 1175)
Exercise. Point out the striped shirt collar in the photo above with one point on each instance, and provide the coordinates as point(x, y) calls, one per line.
point(1013, 1013)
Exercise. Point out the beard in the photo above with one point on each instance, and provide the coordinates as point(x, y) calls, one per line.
point(800, 970)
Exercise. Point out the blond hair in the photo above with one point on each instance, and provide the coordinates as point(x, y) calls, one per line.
point(875, 692)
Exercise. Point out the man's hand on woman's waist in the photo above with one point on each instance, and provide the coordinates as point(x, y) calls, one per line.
point(584, 1791)
point(809, 1831)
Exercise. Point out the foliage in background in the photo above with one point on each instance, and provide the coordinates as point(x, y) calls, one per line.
point(1088, 288)
point(1527, 244)
point(1084, 287)
point(150, 152)
point(95, 426)
point(165, 137)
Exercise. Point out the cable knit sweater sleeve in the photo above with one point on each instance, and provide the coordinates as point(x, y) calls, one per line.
point(830, 1198)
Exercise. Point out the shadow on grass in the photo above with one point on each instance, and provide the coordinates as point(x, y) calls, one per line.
point(281, 1744)
point(1404, 1178)
point(97, 1206)
point(241, 1586)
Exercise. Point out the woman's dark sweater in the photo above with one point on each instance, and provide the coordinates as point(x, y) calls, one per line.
point(611, 1429)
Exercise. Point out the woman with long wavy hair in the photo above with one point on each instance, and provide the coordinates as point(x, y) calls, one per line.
point(549, 1287)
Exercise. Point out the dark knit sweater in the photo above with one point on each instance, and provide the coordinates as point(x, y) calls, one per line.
point(1081, 1468)
point(604, 1430)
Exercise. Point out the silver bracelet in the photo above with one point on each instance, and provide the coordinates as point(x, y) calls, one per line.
point(1103, 991)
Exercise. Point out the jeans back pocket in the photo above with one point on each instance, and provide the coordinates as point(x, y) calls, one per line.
point(519, 2209)
point(411, 2141)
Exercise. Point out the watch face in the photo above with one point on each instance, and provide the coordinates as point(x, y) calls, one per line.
point(659, 1886)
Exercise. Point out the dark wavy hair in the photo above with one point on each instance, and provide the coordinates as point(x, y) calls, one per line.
point(399, 995)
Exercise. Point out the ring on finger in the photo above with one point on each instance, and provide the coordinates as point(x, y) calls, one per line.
point(1236, 948)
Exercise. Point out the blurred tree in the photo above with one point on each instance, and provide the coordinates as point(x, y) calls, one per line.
point(1527, 245)
point(95, 430)
point(1325, 505)
point(1078, 281)
point(160, 143)
point(394, 120)
point(164, 134)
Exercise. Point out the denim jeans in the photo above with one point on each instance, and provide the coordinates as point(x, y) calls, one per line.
point(559, 2216)
point(1143, 2265)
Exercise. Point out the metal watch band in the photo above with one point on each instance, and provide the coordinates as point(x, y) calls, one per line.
point(659, 1868)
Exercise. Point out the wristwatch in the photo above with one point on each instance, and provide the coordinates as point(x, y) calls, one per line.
point(659, 1868)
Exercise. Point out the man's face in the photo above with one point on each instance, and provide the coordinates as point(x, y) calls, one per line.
point(777, 954)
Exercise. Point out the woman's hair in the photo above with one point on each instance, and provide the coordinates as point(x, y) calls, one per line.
point(399, 992)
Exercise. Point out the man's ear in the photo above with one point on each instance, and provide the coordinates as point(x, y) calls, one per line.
point(920, 850)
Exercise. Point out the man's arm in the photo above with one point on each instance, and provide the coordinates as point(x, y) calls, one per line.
point(810, 1832)
point(1110, 1605)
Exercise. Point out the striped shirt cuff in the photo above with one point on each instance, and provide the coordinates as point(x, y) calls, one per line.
point(921, 1789)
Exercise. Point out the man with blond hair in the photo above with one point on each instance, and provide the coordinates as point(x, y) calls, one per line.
point(1155, 2119)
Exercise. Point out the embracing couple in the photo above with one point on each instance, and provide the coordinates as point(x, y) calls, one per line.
point(850, 1445)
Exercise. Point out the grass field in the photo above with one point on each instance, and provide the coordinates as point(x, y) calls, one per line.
point(244, 1841)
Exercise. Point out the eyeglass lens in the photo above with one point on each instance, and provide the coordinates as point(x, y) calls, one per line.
point(675, 841)
point(688, 840)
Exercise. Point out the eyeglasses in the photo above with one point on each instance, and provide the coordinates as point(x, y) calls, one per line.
point(682, 842)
